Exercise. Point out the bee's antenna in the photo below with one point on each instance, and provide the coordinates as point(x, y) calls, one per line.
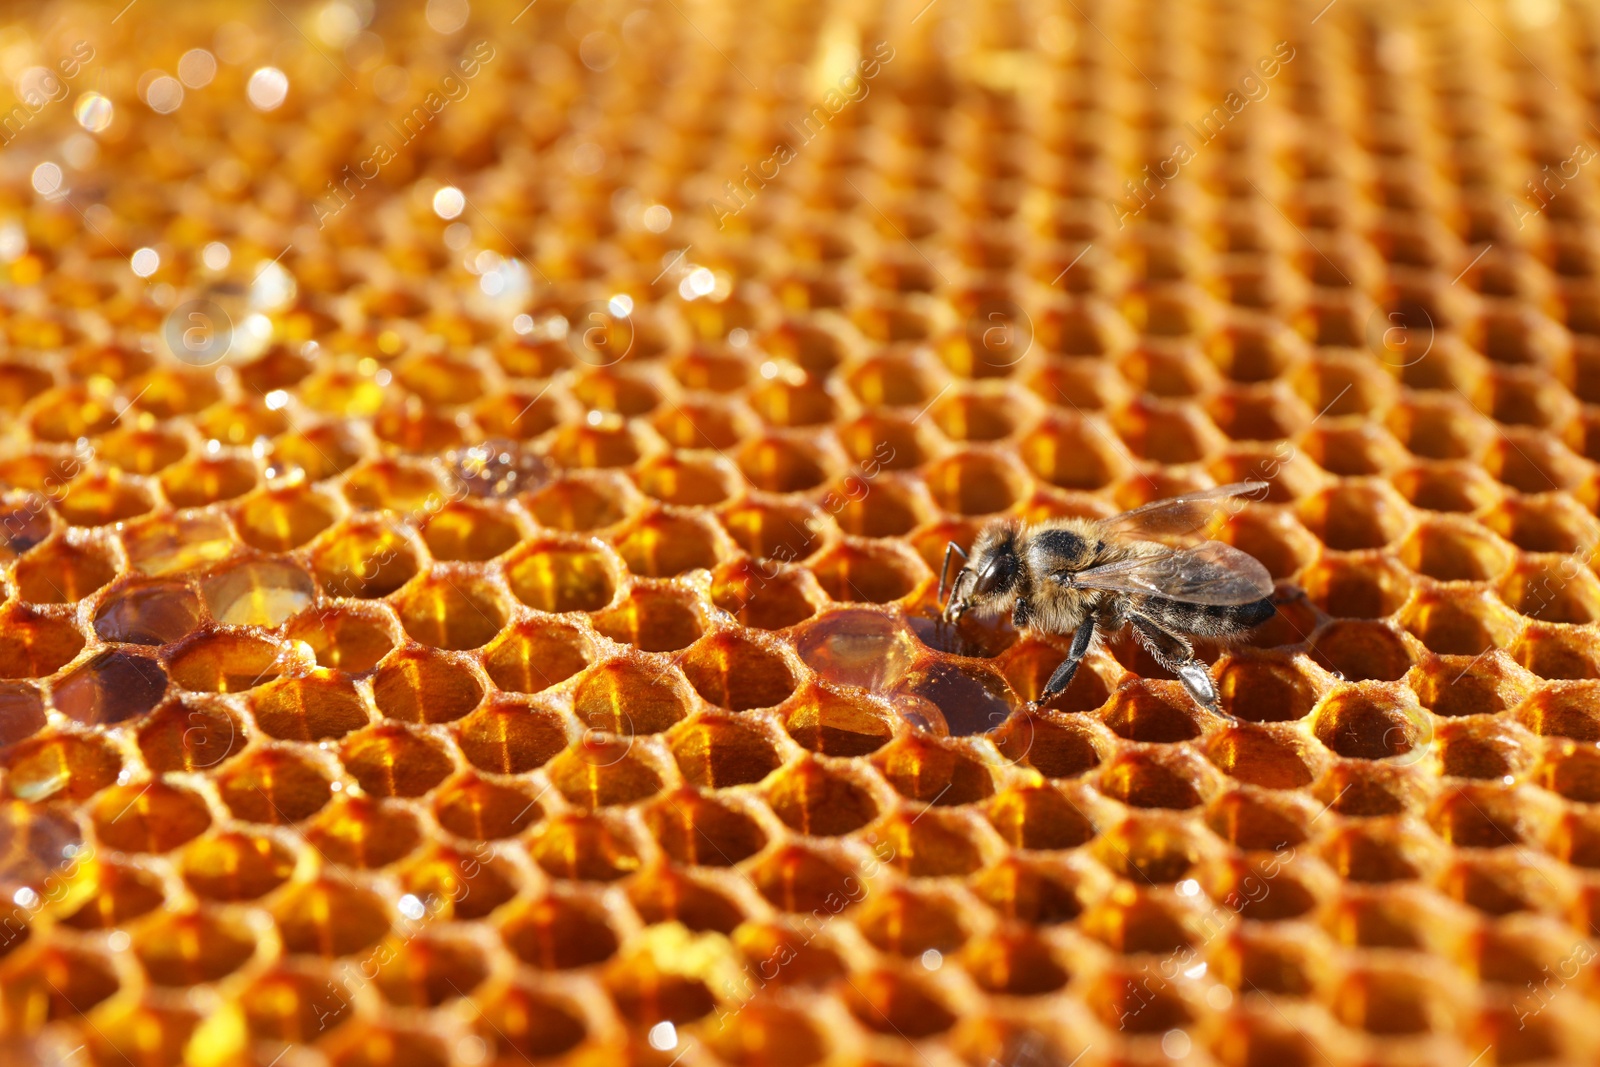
point(944, 571)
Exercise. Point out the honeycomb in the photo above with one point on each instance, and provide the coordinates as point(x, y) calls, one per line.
point(474, 477)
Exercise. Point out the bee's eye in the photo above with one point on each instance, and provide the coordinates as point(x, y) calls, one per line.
point(992, 576)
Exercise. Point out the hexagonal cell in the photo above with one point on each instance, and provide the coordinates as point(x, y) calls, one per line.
point(762, 596)
point(193, 948)
point(653, 620)
point(907, 923)
point(873, 573)
point(923, 770)
point(886, 442)
point(1460, 622)
point(394, 761)
point(59, 572)
point(257, 593)
point(470, 532)
point(1155, 780)
point(977, 416)
point(227, 662)
point(1458, 686)
point(141, 451)
point(111, 687)
point(187, 734)
point(786, 532)
point(480, 810)
point(509, 737)
point(523, 1022)
point(347, 639)
point(531, 657)
point(1073, 453)
point(1543, 524)
point(33, 645)
point(65, 767)
point(705, 422)
point(330, 917)
point(628, 697)
point(581, 502)
point(364, 833)
point(688, 481)
point(153, 817)
point(171, 545)
point(148, 613)
point(1367, 515)
point(308, 709)
point(559, 933)
point(601, 771)
point(975, 483)
point(1555, 651)
point(1371, 722)
point(837, 725)
point(700, 831)
point(236, 866)
point(21, 712)
point(717, 753)
point(1364, 585)
point(665, 544)
point(364, 560)
point(1532, 462)
point(76, 981)
point(1358, 650)
point(608, 442)
point(738, 673)
point(194, 483)
point(452, 613)
point(1558, 591)
point(1447, 487)
point(274, 786)
point(812, 800)
point(553, 577)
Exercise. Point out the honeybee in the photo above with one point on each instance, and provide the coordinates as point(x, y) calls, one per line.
point(1093, 577)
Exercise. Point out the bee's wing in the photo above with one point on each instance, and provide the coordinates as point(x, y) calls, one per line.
point(1179, 515)
point(1208, 573)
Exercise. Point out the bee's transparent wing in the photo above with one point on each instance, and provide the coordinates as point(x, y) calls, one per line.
point(1180, 515)
point(1208, 573)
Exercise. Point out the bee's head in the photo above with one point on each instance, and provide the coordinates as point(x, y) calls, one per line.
point(990, 573)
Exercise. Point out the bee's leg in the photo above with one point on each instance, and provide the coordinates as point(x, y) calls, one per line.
point(950, 547)
point(1177, 655)
point(1020, 614)
point(1082, 638)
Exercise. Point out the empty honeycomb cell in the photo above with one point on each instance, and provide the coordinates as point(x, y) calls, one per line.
point(200, 481)
point(1359, 650)
point(779, 531)
point(156, 817)
point(1447, 487)
point(1151, 712)
point(1073, 453)
point(77, 982)
point(1559, 591)
point(320, 452)
point(103, 500)
point(309, 709)
point(361, 832)
point(630, 697)
point(758, 595)
point(1556, 651)
point(451, 613)
point(142, 451)
point(59, 572)
point(236, 866)
point(653, 620)
point(305, 917)
point(427, 971)
point(867, 573)
point(348, 639)
point(971, 483)
point(222, 662)
point(469, 532)
point(1475, 816)
point(469, 886)
point(1466, 623)
point(976, 416)
point(273, 786)
point(1029, 666)
point(582, 848)
point(21, 712)
point(550, 577)
point(715, 753)
point(1366, 515)
point(148, 613)
point(697, 830)
point(810, 799)
point(1533, 463)
point(602, 772)
point(1439, 427)
point(1358, 585)
point(524, 1022)
point(188, 949)
point(666, 544)
point(394, 761)
point(510, 737)
point(579, 502)
point(697, 482)
point(1353, 450)
point(1391, 1002)
point(60, 767)
point(796, 879)
point(365, 561)
point(1536, 524)
point(890, 1003)
point(1457, 686)
point(33, 645)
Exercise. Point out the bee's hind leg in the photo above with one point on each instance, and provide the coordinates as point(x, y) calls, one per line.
point(1082, 638)
point(1177, 655)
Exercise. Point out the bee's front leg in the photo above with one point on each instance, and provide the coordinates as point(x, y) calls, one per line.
point(1082, 638)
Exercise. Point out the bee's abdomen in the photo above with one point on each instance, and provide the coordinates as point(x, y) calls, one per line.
point(1207, 620)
